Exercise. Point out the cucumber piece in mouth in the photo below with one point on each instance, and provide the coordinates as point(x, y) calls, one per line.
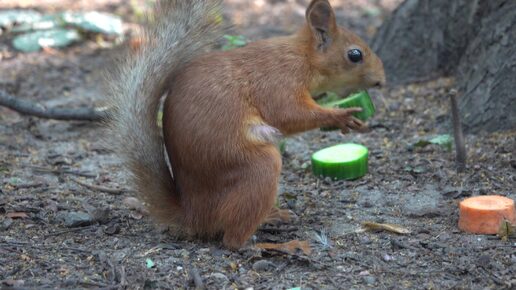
point(360, 99)
point(344, 161)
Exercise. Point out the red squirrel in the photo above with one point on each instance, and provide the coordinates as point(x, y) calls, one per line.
point(224, 112)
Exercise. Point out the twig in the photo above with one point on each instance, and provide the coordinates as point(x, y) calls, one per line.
point(123, 277)
point(458, 134)
point(61, 171)
point(29, 185)
point(69, 231)
point(35, 109)
point(99, 188)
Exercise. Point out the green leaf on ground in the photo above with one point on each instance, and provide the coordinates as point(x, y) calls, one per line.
point(150, 264)
point(10, 17)
point(34, 41)
point(94, 21)
point(45, 22)
point(442, 140)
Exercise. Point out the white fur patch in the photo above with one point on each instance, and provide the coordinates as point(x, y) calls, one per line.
point(265, 133)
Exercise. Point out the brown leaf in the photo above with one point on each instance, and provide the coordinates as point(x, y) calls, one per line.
point(17, 215)
point(372, 226)
point(292, 247)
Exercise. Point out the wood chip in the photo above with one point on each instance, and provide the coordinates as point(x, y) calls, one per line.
point(372, 226)
point(17, 215)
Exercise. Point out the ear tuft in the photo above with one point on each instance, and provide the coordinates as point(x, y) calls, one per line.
point(321, 19)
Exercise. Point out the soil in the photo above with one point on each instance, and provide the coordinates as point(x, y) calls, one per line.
point(57, 233)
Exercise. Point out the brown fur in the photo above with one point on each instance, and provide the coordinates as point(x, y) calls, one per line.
point(225, 171)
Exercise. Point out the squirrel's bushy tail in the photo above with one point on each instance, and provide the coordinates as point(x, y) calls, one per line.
point(177, 32)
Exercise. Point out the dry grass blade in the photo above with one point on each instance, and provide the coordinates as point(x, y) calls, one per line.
point(100, 188)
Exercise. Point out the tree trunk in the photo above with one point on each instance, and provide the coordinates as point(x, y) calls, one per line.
point(473, 40)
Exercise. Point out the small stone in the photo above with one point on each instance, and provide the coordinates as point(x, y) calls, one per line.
point(387, 257)
point(6, 224)
point(76, 219)
point(112, 229)
point(133, 203)
point(100, 215)
point(369, 280)
point(263, 265)
point(219, 276)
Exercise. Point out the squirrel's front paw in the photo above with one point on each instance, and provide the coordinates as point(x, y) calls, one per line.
point(347, 122)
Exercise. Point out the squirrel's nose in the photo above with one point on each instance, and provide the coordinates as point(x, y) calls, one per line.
point(379, 84)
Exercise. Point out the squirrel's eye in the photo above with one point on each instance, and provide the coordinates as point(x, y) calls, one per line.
point(355, 55)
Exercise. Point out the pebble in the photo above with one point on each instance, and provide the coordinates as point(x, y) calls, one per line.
point(112, 229)
point(6, 224)
point(263, 265)
point(219, 276)
point(76, 219)
point(369, 280)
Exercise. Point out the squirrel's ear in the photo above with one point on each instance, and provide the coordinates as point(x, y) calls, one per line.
point(321, 19)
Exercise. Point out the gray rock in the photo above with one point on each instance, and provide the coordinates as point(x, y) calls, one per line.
point(369, 280)
point(263, 265)
point(6, 224)
point(76, 219)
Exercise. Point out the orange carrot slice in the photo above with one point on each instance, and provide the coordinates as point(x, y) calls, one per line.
point(484, 214)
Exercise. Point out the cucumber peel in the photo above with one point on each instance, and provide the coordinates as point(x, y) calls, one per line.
point(344, 161)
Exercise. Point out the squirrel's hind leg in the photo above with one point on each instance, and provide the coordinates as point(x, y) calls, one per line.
point(252, 198)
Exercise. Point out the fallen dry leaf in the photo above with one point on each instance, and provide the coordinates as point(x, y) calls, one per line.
point(292, 247)
point(372, 226)
point(17, 215)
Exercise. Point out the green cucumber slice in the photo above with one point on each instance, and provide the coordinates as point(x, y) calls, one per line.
point(360, 99)
point(344, 161)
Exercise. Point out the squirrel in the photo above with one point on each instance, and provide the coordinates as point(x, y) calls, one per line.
point(213, 167)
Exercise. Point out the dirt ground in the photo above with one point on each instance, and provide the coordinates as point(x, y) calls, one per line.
point(56, 233)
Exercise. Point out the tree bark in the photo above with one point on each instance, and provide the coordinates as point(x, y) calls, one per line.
point(473, 40)
point(487, 74)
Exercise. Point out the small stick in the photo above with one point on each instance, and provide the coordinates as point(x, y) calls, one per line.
point(123, 277)
point(458, 134)
point(35, 109)
point(68, 231)
point(99, 188)
point(61, 171)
